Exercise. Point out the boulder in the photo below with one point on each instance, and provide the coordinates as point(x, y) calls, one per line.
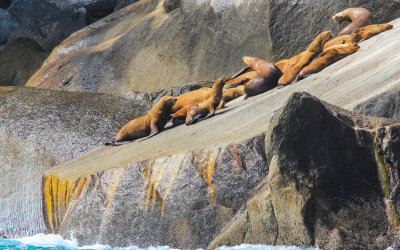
point(155, 44)
point(384, 105)
point(7, 25)
point(326, 186)
point(43, 128)
point(123, 3)
point(20, 58)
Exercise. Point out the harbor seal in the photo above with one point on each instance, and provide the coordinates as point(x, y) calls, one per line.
point(359, 17)
point(314, 49)
point(326, 58)
point(148, 125)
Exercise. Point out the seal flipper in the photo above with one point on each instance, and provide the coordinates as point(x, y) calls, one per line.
point(231, 86)
point(240, 72)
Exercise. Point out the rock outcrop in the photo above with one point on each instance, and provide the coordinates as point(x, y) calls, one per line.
point(332, 183)
point(42, 128)
point(7, 25)
point(114, 195)
point(155, 44)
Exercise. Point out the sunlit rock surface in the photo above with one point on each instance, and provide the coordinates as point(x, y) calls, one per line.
point(153, 44)
point(181, 187)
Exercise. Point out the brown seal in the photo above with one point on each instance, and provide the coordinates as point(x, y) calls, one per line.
point(187, 98)
point(326, 58)
point(230, 94)
point(369, 31)
point(266, 78)
point(359, 17)
point(240, 79)
point(340, 40)
point(211, 100)
point(285, 64)
point(314, 49)
point(148, 125)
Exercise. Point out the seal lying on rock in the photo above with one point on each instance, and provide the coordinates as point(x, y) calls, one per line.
point(230, 94)
point(359, 17)
point(369, 31)
point(285, 64)
point(326, 58)
point(314, 49)
point(340, 40)
point(148, 125)
point(212, 100)
point(266, 78)
point(189, 97)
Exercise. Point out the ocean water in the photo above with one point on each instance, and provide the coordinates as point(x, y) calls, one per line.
point(49, 241)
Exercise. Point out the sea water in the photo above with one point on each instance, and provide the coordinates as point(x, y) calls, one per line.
point(49, 241)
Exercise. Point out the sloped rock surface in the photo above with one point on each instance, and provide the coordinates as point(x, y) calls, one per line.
point(95, 184)
point(43, 128)
point(142, 47)
point(325, 186)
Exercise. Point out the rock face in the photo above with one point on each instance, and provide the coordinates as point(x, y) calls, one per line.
point(385, 105)
point(336, 148)
point(327, 185)
point(7, 25)
point(156, 44)
point(43, 128)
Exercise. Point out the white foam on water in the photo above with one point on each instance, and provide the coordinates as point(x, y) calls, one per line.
point(57, 242)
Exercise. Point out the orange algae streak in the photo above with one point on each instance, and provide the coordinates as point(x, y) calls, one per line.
point(47, 207)
point(205, 164)
point(57, 194)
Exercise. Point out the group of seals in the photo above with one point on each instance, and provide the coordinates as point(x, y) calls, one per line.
point(259, 76)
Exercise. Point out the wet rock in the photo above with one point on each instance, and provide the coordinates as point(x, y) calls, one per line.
point(40, 129)
point(7, 25)
point(324, 186)
point(4, 4)
point(144, 48)
point(385, 105)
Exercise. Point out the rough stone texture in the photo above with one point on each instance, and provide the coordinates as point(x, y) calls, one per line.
point(355, 79)
point(324, 187)
point(123, 3)
point(385, 105)
point(7, 25)
point(20, 59)
point(43, 128)
point(166, 200)
point(143, 48)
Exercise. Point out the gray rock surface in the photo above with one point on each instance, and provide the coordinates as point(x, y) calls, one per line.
point(7, 25)
point(325, 186)
point(144, 48)
point(43, 128)
point(123, 3)
point(385, 105)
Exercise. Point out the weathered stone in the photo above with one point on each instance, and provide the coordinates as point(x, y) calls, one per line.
point(42, 128)
point(7, 25)
point(143, 48)
point(47, 22)
point(385, 105)
point(170, 5)
point(323, 187)
point(20, 59)
point(123, 3)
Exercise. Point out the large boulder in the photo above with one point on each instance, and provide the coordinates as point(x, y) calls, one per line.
point(332, 181)
point(42, 128)
point(155, 44)
point(7, 25)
